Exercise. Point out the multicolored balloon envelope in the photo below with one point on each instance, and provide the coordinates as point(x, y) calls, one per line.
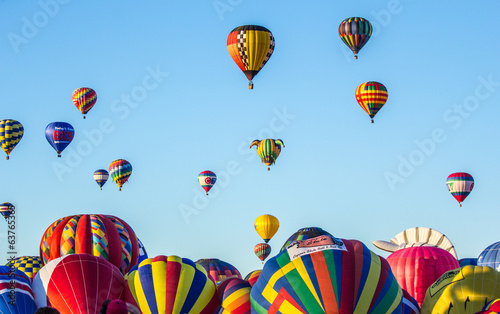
point(170, 284)
point(101, 177)
point(59, 135)
point(207, 180)
point(120, 170)
point(268, 150)
point(16, 296)
point(6, 209)
point(253, 276)
point(234, 296)
point(84, 99)
point(30, 265)
point(101, 235)
point(250, 46)
point(409, 305)
point(460, 184)
point(493, 307)
point(218, 270)
point(262, 250)
point(340, 276)
point(462, 291)
point(416, 268)
point(490, 256)
point(11, 132)
point(304, 234)
point(77, 283)
point(266, 226)
point(355, 32)
point(371, 96)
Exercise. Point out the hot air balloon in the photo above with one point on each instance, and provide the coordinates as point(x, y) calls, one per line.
point(16, 295)
point(77, 283)
point(462, 291)
point(170, 284)
point(6, 209)
point(218, 270)
point(326, 275)
point(250, 46)
point(371, 96)
point(416, 268)
point(304, 234)
point(253, 276)
point(262, 251)
point(207, 180)
point(460, 184)
point(101, 235)
point(490, 256)
point(266, 226)
point(59, 135)
point(120, 170)
point(84, 99)
point(234, 296)
point(493, 307)
point(29, 265)
point(101, 176)
point(268, 150)
point(467, 261)
point(409, 305)
point(11, 132)
point(355, 32)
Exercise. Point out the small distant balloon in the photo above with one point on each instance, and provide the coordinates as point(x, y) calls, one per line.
point(84, 99)
point(120, 170)
point(101, 176)
point(6, 209)
point(268, 150)
point(460, 184)
point(207, 180)
point(262, 251)
point(355, 32)
point(11, 132)
point(371, 96)
point(266, 226)
point(59, 135)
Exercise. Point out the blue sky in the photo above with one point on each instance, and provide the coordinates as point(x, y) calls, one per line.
point(172, 102)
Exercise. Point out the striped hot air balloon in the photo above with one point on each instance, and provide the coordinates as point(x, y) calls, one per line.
point(84, 99)
point(101, 177)
point(217, 269)
point(355, 32)
point(234, 296)
point(371, 96)
point(6, 209)
point(262, 251)
point(120, 170)
point(460, 184)
point(207, 180)
point(250, 46)
point(268, 150)
point(11, 132)
point(253, 276)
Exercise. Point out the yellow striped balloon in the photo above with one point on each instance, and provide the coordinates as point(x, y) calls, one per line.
point(120, 170)
point(11, 132)
point(268, 150)
point(371, 96)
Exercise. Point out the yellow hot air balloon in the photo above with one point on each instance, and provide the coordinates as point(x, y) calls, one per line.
point(266, 226)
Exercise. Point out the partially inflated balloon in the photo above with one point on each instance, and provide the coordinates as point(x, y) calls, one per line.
point(490, 256)
point(29, 265)
point(11, 132)
point(170, 284)
point(304, 234)
point(268, 150)
point(460, 184)
point(250, 46)
point(84, 99)
point(120, 170)
point(218, 270)
point(59, 135)
point(6, 209)
point(355, 32)
point(462, 291)
point(266, 226)
point(493, 307)
point(207, 180)
point(234, 296)
point(371, 96)
point(262, 250)
point(101, 176)
point(16, 296)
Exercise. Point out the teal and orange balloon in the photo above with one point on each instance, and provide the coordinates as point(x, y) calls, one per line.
point(460, 184)
point(6, 209)
point(207, 180)
point(262, 251)
point(371, 96)
point(101, 177)
point(268, 150)
point(250, 46)
point(355, 33)
point(84, 99)
point(11, 132)
point(120, 170)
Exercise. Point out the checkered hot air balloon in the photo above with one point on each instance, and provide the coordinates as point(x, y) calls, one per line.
point(101, 177)
point(207, 180)
point(29, 265)
point(11, 132)
point(460, 184)
point(84, 99)
point(120, 170)
point(250, 46)
point(355, 32)
point(268, 150)
point(371, 96)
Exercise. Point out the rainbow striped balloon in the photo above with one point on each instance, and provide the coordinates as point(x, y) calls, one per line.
point(371, 96)
point(355, 32)
point(11, 132)
point(84, 99)
point(234, 296)
point(120, 170)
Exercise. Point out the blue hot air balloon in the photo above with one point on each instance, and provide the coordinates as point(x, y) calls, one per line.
point(59, 135)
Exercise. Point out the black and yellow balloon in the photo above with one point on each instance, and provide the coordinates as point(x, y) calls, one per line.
point(11, 132)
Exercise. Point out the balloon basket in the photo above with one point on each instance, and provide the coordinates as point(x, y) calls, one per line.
point(250, 85)
point(84, 117)
point(7, 157)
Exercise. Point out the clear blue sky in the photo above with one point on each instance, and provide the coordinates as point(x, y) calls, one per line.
point(189, 110)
